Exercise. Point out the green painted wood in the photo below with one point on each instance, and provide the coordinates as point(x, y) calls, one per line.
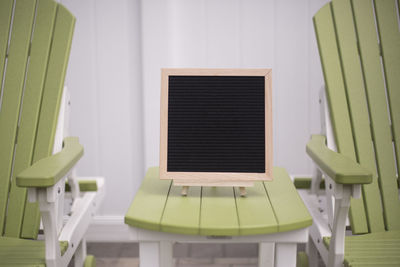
point(218, 211)
point(337, 101)
point(379, 248)
point(53, 87)
point(5, 21)
point(218, 215)
point(84, 186)
point(358, 108)
point(182, 214)
point(255, 212)
point(290, 211)
point(305, 183)
point(149, 202)
point(18, 252)
point(90, 261)
point(302, 259)
point(12, 91)
point(48, 171)
point(340, 168)
point(389, 34)
point(35, 76)
point(374, 86)
point(390, 42)
point(52, 93)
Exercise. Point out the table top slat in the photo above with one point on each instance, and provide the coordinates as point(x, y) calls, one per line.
point(289, 209)
point(182, 213)
point(218, 216)
point(256, 215)
point(148, 206)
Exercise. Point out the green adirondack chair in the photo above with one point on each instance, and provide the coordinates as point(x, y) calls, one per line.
point(35, 160)
point(359, 46)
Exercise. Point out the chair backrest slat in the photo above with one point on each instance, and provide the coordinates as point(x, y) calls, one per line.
point(6, 7)
point(51, 101)
point(390, 42)
point(337, 100)
point(32, 97)
point(5, 23)
point(389, 33)
point(12, 91)
point(355, 84)
point(358, 105)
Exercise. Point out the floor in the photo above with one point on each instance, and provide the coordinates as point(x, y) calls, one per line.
point(185, 255)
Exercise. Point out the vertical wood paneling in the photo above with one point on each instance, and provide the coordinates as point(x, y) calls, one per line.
point(222, 34)
point(155, 52)
point(82, 83)
point(256, 30)
point(105, 82)
point(114, 75)
point(188, 28)
point(290, 85)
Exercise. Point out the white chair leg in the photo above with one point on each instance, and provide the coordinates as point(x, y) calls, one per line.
point(166, 252)
point(149, 254)
point(285, 254)
point(80, 254)
point(312, 253)
point(266, 253)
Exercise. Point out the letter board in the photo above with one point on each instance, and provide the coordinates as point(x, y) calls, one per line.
point(216, 126)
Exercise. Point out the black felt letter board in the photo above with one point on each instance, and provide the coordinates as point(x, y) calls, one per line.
point(216, 124)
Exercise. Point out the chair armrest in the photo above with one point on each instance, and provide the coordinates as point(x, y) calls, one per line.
point(48, 171)
point(340, 168)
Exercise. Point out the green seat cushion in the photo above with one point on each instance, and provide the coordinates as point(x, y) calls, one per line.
point(268, 207)
point(24, 252)
point(375, 249)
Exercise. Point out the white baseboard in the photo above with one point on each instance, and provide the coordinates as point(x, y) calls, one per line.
point(110, 229)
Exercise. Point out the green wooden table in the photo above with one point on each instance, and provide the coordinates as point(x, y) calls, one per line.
point(271, 214)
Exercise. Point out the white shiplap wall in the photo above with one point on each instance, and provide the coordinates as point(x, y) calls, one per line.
point(120, 46)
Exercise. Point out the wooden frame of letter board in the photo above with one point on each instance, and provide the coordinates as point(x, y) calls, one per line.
point(215, 178)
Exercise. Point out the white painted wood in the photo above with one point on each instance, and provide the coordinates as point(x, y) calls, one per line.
point(104, 77)
point(78, 222)
point(80, 253)
point(271, 245)
point(316, 181)
point(336, 246)
point(290, 84)
point(320, 228)
point(266, 254)
point(285, 254)
point(149, 254)
point(49, 220)
point(166, 252)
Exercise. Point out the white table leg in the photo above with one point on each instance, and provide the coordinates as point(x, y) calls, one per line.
point(285, 254)
point(266, 253)
point(149, 254)
point(166, 249)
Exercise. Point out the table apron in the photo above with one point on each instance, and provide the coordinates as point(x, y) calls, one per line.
point(295, 236)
